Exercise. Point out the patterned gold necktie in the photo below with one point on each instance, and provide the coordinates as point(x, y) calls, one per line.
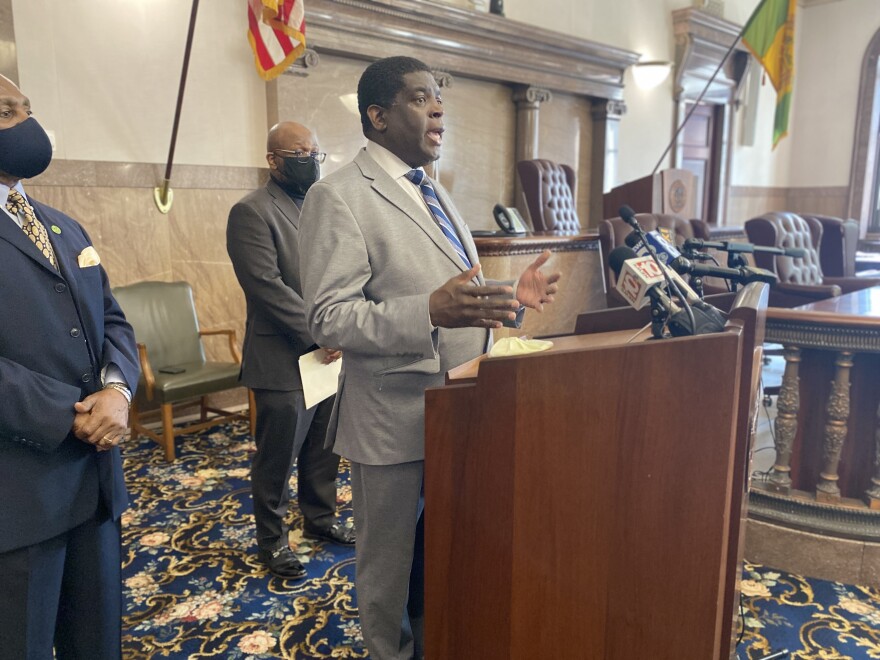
point(32, 227)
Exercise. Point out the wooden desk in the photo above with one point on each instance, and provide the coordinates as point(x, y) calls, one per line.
point(577, 256)
point(827, 435)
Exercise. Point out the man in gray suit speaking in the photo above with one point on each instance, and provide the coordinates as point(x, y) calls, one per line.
point(390, 275)
point(261, 241)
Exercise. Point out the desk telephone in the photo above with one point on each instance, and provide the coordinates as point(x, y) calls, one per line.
point(509, 219)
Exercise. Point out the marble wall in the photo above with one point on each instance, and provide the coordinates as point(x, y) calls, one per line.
point(477, 165)
point(114, 202)
point(565, 134)
point(747, 202)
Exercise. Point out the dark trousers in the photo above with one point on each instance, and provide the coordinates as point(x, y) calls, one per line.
point(287, 431)
point(65, 591)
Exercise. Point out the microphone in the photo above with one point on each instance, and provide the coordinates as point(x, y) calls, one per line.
point(665, 250)
point(640, 280)
point(731, 246)
point(667, 254)
point(683, 266)
point(629, 217)
point(741, 275)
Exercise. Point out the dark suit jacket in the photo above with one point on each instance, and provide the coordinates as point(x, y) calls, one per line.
point(58, 331)
point(261, 238)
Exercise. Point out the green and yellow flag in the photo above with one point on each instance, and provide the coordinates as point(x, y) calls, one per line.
point(769, 34)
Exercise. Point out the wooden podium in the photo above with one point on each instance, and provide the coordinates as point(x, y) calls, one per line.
point(671, 192)
point(586, 501)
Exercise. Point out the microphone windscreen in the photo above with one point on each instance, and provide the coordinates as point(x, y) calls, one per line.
point(632, 239)
point(627, 214)
point(618, 255)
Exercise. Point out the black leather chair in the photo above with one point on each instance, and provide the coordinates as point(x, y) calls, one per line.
point(801, 280)
point(549, 190)
point(173, 364)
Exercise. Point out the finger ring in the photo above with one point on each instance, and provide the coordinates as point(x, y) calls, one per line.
point(106, 441)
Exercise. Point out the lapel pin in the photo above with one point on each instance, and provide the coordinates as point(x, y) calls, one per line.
point(56, 229)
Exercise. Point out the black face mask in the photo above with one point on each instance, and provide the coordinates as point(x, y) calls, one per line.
point(25, 149)
point(298, 177)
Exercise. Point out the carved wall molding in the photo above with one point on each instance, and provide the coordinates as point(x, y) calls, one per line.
point(612, 109)
point(866, 149)
point(509, 247)
point(823, 336)
point(530, 95)
point(467, 42)
point(701, 41)
point(444, 79)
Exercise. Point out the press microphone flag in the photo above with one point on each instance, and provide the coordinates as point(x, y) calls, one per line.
point(637, 277)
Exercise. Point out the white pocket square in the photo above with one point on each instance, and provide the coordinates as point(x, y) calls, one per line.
point(88, 257)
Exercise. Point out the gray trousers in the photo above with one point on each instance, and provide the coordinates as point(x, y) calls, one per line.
point(388, 505)
point(287, 431)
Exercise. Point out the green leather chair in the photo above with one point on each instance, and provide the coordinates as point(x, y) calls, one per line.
point(173, 365)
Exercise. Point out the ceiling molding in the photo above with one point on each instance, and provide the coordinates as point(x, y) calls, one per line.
point(467, 42)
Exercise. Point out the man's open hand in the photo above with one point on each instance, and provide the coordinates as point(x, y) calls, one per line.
point(534, 287)
point(460, 304)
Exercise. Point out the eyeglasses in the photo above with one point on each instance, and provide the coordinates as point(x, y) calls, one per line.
point(301, 156)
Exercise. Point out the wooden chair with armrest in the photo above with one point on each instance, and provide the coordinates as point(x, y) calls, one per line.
point(174, 368)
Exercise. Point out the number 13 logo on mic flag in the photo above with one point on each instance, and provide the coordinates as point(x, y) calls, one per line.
point(636, 277)
point(277, 34)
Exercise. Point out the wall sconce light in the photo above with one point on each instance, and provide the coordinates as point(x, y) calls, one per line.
point(650, 74)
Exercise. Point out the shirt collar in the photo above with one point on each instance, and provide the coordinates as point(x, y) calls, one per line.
point(395, 167)
point(4, 193)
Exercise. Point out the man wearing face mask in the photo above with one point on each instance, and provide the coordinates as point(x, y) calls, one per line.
point(261, 238)
point(67, 357)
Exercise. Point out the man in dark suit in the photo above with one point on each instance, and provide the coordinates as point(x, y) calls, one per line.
point(67, 356)
point(391, 276)
point(261, 239)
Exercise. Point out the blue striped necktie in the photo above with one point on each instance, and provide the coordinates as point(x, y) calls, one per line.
point(419, 178)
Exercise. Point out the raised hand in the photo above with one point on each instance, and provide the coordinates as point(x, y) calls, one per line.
point(460, 304)
point(534, 287)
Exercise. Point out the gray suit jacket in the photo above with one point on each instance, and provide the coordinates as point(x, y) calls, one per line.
point(370, 258)
point(261, 238)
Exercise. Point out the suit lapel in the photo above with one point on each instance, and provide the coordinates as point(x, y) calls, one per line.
point(283, 202)
point(12, 233)
point(67, 269)
point(391, 191)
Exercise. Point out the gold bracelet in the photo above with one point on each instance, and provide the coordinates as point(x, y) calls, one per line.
point(122, 389)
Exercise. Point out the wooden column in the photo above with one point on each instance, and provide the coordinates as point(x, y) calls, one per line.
point(837, 412)
point(528, 101)
point(603, 159)
point(788, 405)
point(873, 493)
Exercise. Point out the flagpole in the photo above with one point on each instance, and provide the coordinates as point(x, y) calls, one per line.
point(706, 88)
point(164, 195)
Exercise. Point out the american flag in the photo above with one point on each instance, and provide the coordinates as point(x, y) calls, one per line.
point(277, 33)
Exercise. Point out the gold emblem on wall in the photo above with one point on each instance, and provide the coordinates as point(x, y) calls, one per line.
point(678, 197)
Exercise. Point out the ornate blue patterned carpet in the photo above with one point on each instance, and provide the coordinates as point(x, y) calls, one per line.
point(193, 588)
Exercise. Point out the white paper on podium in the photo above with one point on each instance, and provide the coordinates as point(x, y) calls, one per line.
point(319, 380)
